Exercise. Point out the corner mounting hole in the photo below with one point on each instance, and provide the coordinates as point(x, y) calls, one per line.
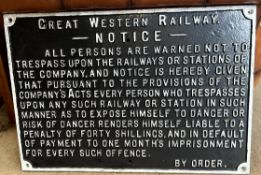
point(243, 168)
point(27, 165)
point(251, 11)
point(10, 20)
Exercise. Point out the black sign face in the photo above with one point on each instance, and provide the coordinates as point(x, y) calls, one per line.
point(157, 90)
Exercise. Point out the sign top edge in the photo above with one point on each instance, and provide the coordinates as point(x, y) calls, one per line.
point(127, 11)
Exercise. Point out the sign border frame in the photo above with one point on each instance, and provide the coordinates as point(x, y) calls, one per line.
point(249, 12)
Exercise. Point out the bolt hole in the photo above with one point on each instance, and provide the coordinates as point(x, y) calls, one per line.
point(27, 165)
point(243, 168)
point(251, 11)
point(10, 20)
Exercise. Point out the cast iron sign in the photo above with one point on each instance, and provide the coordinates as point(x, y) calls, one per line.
point(155, 90)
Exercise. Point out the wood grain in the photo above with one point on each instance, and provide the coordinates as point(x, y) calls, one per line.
point(94, 4)
point(156, 3)
point(29, 5)
point(6, 93)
